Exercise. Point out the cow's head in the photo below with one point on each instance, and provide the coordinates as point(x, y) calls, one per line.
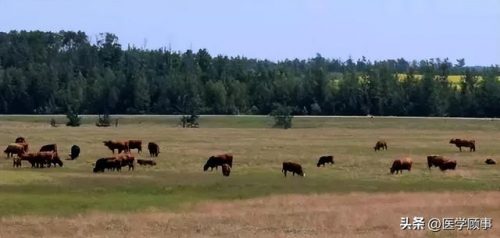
point(452, 141)
point(392, 170)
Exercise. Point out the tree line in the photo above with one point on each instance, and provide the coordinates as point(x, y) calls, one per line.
point(57, 72)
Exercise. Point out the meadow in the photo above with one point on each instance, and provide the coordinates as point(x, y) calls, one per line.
point(178, 185)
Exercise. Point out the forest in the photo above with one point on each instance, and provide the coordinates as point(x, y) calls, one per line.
point(57, 72)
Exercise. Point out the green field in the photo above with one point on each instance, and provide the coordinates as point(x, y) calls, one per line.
point(178, 182)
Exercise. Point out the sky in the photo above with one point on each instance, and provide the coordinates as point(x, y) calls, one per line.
point(279, 29)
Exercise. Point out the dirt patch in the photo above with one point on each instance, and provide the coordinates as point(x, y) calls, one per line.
point(331, 215)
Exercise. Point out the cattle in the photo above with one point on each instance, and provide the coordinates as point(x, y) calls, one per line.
point(105, 163)
point(20, 140)
point(40, 159)
point(226, 170)
point(292, 167)
point(380, 145)
point(117, 145)
point(218, 160)
point(471, 144)
point(448, 164)
point(15, 148)
point(154, 149)
point(146, 162)
point(125, 159)
point(325, 159)
point(490, 161)
point(75, 152)
point(399, 165)
point(434, 160)
point(49, 147)
point(135, 144)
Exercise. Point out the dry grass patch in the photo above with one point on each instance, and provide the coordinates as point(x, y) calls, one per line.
point(328, 215)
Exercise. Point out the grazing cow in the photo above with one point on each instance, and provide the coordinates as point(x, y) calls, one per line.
point(490, 161)
point(105, 163)
point(380, 145)
point(448, 164)
point(471, 144)
point(434, 160)
point(292, 167)
point(135, 144)
point(75, 152)
point(401, 164)
point(118, 145)
point(20, 140)
point(125, 159)
point(40, 159)
point(218, 160)
point(146, 162)
point(50, 147)
point(15, 148)
point(226, 170)
point(154, 149)
point(325, 159)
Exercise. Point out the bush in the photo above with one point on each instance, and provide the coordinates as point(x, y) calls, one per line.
point(282, 116)
point(190, 121)
point(73, 119)
point(103, 121)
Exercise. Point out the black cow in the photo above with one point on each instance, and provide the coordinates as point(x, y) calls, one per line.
point(218, 160)
point(325, 159)
point(75, 152)
point(154, 149)
point(292, 167)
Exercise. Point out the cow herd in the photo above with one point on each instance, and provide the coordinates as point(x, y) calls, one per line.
point(48, 156)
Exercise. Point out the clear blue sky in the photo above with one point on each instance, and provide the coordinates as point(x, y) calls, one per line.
point(278, 29)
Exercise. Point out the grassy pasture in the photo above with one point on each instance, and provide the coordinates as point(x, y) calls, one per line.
point(178, 181)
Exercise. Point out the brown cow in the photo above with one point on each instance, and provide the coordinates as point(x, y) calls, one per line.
point(125, 159)
point(434, 160)
point(109, 163)
point(226, 170)
point(40, 159)
point(49, 147)
point(218, 160)
point(146, 162)
point(292, 167)
point(381, 144)
point(448, 164)
point(325, 159)
point(135, 144)
point(401, 164)
point(154, 149)
point(490, 161)
point(471, 144)
point(15, 148)
point(118, 145)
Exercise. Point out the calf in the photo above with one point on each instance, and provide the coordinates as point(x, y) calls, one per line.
point(448, 164)
point(490, 161)
point(401, 164)
point(218, 160)
point(292, 167)
point(325, 159)
point(154, 149)
point(380, 145)
point(146, 162)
